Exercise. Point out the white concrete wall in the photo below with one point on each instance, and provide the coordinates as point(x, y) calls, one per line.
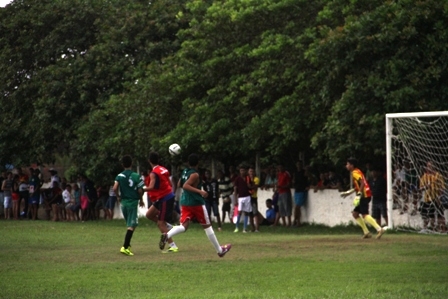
point(322, 207)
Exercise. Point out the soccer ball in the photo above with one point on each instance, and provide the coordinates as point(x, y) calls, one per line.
point(174, 149)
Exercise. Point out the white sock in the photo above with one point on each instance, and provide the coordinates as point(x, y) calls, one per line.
point(212, 237)
point(176, 230)
point(173, 245)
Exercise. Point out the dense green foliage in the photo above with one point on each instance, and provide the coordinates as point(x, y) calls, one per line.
point(228, 79)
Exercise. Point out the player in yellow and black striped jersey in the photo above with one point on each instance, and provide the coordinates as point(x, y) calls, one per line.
point(433, 184)
point(362, 199)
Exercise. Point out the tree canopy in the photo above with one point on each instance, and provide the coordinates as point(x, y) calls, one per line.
point(228, 79)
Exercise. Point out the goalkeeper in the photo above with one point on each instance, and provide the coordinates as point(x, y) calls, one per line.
point(362, 200)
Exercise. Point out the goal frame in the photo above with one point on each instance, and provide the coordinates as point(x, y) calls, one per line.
point(389, 127)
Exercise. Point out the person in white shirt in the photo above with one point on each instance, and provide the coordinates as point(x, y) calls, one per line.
point(69, 202)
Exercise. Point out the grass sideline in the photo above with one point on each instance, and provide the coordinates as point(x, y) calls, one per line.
point(44, 259)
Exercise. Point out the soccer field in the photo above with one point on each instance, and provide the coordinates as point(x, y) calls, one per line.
point(81, 260)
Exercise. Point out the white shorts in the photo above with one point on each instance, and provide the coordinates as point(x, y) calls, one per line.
point(244, 204)
point(7, 202)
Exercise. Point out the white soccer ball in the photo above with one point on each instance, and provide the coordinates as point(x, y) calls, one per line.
point(174, 149)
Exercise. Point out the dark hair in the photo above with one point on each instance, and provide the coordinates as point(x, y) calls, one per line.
point(353, 161)
point(153, 158)
point(126, 161)
point(243, 166)
point(193, 160)
point(269, 200)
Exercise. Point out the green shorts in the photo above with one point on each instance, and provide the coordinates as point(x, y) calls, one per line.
point(129, 208)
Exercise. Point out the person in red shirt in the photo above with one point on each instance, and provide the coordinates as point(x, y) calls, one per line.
point(284, 195)
point(160, 192)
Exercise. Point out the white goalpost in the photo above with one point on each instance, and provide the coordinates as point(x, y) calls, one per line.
point(412, 141)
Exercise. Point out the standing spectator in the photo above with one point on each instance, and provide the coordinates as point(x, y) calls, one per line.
point(69, 202)
point(54, 177)
point(301, 187)
point(411, 187)
point(24, 192)
point(323, 182)
point(233, 174)
point(362, 199)
point(271, 178)
point(128, 187)
point(160, 192)
point(7, 187)
point(2, 198)
point(34, 189)
point(254, 183)
point(242, 194)
point(312, 179)
point(193, 207)
point(110, 204)
point(102, 195)
point(399, 186)
point(334, 180)
point(369, 171)
point(77, 197)
point(284, 195)
point(212, 201)
point(378, 185)
point(433, 184)
point(92, 197)
point(84, 198)
point(15, 197)
point(55, 201)
point(225, 191)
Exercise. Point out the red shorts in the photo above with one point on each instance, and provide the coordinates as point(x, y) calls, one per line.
point(15, 196)
point(84, 202)
point(194, 212)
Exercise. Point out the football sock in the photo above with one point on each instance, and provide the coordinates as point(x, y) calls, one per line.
point(176, 230)
point(372, 222)
point(127, 238)
point(238, 220)
point(173, 245)
point(362, 224)
point(212, 237)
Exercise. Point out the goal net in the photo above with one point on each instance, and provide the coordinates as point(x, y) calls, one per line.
point(417, 171)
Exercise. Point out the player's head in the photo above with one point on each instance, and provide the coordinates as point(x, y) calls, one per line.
point(268, 203)
point(193, 160)
point(126, 161)
point(153, 158)
point(352, 163)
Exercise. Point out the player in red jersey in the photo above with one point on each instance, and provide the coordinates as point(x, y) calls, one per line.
point(160, 191)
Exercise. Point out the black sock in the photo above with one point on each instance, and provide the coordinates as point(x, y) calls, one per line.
point(127, 238)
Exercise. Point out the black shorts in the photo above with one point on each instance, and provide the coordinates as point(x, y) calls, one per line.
point(225, 207)
point(165, 209)
point(363, 207)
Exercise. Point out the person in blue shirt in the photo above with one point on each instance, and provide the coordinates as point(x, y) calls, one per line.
point(270, 214)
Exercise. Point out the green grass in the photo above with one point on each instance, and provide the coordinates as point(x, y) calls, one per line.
point(81, 260)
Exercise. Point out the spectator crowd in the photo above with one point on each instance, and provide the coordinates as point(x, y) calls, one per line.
point(232, 195)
